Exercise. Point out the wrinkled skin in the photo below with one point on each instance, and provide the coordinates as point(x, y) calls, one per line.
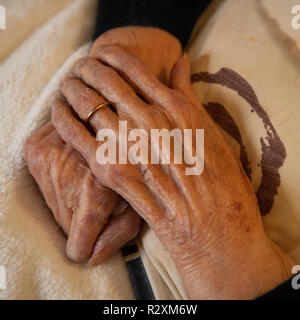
point(156, 47)
point(210, 223)
point(81, 205)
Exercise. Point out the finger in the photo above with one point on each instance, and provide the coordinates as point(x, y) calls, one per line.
point(44, 131)
point(118, 232)
point(141, 199)
point(65, 218)
point(89, 219)
point(181, 75)
point(163, 187)
point(58, 170)
point(72, 131)
point(36, 137)
point(136, 72)
point(110, 85)
point(84, 99)
point(41, 163)
point(180, 80)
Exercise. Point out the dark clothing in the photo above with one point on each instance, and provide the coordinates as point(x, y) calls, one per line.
point(284, 291)
point(175, 16)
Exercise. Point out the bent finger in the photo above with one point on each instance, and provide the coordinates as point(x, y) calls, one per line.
point(84, 100)
point(110, 85)
point(181, 80)
point(89, 219)
point(121, 229)
point(136, 72)
point(72, 131)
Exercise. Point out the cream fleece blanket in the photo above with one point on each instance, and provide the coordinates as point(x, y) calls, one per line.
point(40, 36)
point(44, 38)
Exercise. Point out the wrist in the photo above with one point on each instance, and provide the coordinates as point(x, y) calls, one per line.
point(246, 273)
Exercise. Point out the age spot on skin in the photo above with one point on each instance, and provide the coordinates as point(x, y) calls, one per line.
point(237, 206)
point(231, 217)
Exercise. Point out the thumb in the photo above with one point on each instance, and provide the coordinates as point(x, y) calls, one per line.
point(180, 79)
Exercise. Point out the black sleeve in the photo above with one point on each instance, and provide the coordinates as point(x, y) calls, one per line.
point(289, 290)
point(175, 16)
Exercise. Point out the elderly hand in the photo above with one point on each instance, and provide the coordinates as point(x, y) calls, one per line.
point(209, 223)
point(64, 177)
point(81, 205)
point(156, 47)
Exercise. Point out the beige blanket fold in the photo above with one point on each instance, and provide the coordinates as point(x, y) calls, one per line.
point(32, 247)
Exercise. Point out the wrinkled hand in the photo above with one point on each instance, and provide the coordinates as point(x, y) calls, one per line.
point(81, 205)
point(209, 223)
point(157, 48)
point(64, 176)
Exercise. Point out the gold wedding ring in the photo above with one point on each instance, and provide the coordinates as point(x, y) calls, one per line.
point(95, 110)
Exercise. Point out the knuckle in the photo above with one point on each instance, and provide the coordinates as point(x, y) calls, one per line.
point(55, 103)
point(39, 153)
point(102, 72)
point(89, 62)
point(87, 98)
point(64, 86)
point(89, 218)
point(83, 64)
point(79, 64)
point(94, 217)
point(125, 59)
point(113, 175)
point(110, 49)
point(176, 99)
point(148, 117)
point(39, 160)
point(28, 147)
point(154, 116)
point(135, 64)
point(69, 85)
point(32, 152)
point(83, 100)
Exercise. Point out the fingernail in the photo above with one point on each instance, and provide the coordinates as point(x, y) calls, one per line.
point(99, 257)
